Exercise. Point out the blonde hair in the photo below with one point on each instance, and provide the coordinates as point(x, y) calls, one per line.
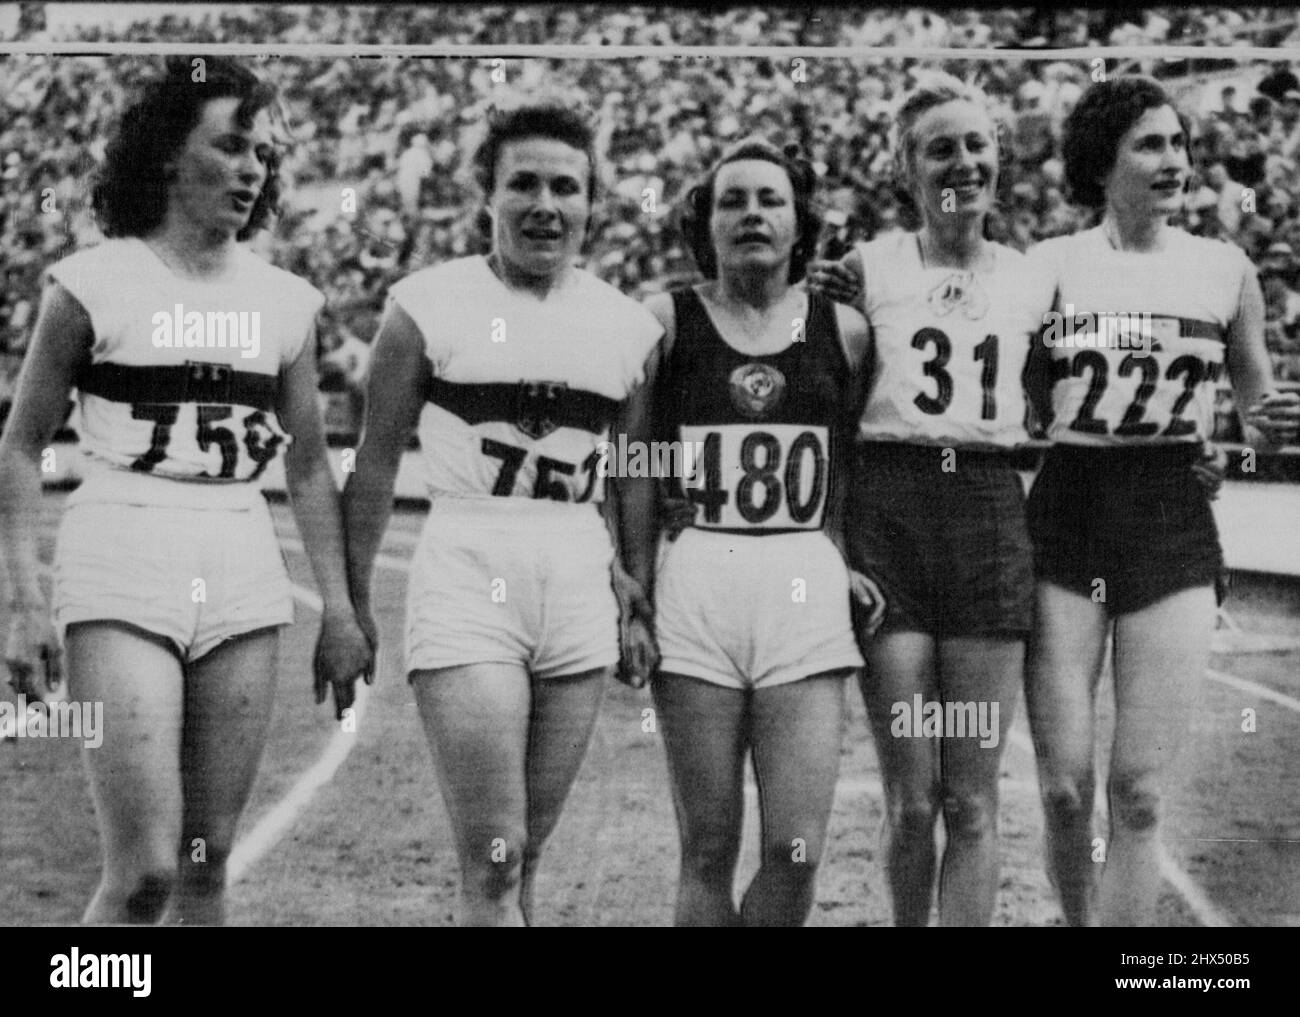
point(933, 89)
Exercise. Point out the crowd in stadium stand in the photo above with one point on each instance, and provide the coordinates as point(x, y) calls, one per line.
point(398, 134)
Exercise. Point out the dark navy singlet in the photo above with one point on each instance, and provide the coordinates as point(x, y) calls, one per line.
point(764, 433)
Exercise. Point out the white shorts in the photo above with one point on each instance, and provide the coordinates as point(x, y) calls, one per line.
point(512, 581)
point(749, 611)
point(140, 564)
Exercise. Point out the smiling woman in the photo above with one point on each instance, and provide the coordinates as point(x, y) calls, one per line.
point(936, 508)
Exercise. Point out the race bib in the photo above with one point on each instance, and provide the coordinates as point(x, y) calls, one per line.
point(1153, 388)
point(758, 476)
point(201, 440)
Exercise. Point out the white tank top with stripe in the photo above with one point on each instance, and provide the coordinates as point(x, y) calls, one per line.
point(1138, 340)
point(584, 336)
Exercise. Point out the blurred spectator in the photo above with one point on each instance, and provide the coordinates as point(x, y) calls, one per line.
point(399, 133)
point(1279, 81)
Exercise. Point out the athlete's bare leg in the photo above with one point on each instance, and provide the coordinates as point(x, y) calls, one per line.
point(1064, 663)
point(795, 731)
point(564, 716)
point(901, 665)
point(1160, 654)
point(980, 671)
point(229, 694)
point(134, 773)
point(704, 728)
point(493, 732)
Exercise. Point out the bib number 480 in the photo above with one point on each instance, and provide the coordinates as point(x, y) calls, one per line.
point(763, 481)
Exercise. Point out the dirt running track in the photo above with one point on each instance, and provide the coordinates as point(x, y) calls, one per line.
point(372, 847)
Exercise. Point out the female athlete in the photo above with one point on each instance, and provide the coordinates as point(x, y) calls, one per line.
point(192, 357)
point(515, 366)
point(755, 378)
point(936, 511)
point(1148, 320)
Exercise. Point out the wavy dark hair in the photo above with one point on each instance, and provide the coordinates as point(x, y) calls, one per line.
point(697, 208)
point(541, 120)
point(129, 195)
point(1093, 130)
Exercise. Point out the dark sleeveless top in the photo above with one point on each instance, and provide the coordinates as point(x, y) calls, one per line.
point(706, 383)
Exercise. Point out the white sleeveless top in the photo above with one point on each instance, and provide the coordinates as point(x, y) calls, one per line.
point(585, 335)
point(1139, 339)
point(256, 319)
point(950, 345)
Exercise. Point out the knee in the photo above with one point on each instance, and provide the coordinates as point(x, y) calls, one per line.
point(913, 814)
point(1068, 799)
point(969, 816)
point(148, 894)
point(497, 870)
point(1134, 802)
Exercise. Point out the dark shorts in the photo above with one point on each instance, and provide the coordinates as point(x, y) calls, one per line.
point(1136, 518)
point(949, 550)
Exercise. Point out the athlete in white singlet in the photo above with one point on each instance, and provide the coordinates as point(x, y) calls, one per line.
point(195, 363)
point(1149, 320)
point(936, 510)
point(515, 365)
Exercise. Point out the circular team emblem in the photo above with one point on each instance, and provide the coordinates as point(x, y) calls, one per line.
point(756, 389)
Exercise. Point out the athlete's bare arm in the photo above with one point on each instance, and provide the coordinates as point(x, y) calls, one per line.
point(1037, 378)
point(394, 397)
point(855, 335)
point(343, 650)
point(60, 345)
point(633, 498)
point(630, 513)
point(674, 514)
point(1269, 418)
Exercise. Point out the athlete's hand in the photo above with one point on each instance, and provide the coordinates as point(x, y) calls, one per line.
point(831, 279)
point(638, 653)
point(1277, 416)
point(868, 604)
point(367, 622)
point(344, 653)
point(675, 515)
point(1211, 468)
point(32, 653)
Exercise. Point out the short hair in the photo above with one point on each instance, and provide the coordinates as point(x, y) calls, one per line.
point(932, 90)
point(697, 210)
point(542, 120)
point(1093, 130)
point(129, 193)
